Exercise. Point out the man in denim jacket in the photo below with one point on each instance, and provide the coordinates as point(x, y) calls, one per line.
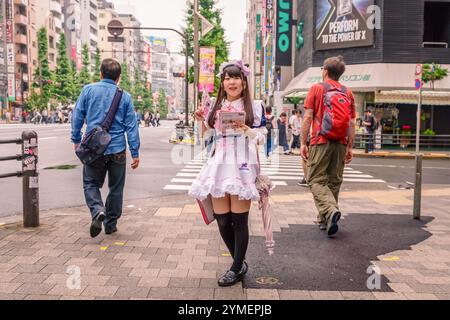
point(92, 107)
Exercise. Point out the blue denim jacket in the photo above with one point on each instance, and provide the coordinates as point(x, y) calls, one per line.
point(92, 107)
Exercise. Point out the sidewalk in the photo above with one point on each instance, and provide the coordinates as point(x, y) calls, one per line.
point(442, 155)
point(164, 251)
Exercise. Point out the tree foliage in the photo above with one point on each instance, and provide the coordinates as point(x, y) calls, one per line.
point(162, 103)
point(85, 74)
point(432, 73)
point(65, 86)
point(98, 63)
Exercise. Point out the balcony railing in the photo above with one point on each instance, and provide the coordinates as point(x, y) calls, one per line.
point(403, 142)
point(21, 39)
point(55, 7)
point(21, 19)
point(21, 58)
point(20, 2)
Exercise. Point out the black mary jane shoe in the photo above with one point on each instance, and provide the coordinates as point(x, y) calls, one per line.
point(230, 278)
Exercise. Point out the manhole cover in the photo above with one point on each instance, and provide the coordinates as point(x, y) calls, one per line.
point(267, 281)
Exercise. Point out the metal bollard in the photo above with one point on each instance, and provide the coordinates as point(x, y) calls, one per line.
point(418, 187)
point(30, 179)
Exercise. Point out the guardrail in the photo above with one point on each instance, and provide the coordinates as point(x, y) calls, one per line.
point(29, 174)
point(402, 141)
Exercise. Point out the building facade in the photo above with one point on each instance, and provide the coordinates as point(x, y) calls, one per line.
point(106, 13)
point(89, 26)
point(73, 30)
point(382, 42)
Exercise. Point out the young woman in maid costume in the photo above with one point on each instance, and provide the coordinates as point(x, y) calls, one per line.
point(229, 175)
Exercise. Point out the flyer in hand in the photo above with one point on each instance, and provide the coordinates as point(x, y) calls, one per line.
point(228, 121)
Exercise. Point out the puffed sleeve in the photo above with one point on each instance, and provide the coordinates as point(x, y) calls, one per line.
point(258, 132)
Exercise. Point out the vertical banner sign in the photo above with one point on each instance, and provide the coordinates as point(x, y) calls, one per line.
point(268, 64)
point(343, 24)
point(258, 32)
point(418, 74)
point(10, 50)
point(207, 69)
point(284, 33)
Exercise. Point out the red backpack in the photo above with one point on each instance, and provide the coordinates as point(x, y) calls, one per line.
point(336, 118)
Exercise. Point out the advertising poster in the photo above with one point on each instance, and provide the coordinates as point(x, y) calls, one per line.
point(342, 24)
point(207, 69)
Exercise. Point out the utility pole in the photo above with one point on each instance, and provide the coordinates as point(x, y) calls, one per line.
point(419, 156)
point(3, 71)
point(196, 53)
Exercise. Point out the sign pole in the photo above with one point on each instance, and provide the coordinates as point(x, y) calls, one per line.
point(196, 53)
point(419, 156)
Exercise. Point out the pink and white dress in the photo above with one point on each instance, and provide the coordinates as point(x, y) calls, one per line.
point(233, 167)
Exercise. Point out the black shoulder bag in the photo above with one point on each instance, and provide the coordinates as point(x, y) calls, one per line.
point(96, 141)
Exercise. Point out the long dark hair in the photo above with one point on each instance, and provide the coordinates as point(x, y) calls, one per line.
point(233, 72)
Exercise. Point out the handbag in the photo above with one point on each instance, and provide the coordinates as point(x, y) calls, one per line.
point(96, 141)
point(206, 208)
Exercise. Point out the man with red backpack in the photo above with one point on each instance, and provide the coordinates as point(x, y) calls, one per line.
point(330, 116)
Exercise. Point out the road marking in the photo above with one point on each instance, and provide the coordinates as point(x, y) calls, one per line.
point(346, 177)
point(182, 180)
point(48, 138)
point(177, 187)
point(187, 175)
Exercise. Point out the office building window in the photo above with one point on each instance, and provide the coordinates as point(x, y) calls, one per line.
point(436, 24)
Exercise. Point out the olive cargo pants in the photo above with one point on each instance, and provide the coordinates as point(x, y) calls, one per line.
point(325, 176)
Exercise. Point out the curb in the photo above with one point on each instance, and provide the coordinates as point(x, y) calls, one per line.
point(388, 155)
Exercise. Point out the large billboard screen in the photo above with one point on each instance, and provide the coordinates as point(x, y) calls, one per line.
point(343, 24)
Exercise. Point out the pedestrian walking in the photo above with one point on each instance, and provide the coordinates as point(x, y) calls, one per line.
point(92, 105)
point(330, 109)
point(45, 116)
point(158, 119)
point(282, 126)
point(295, 124)
point(8, 116)
point(229, 176)
point(270, 125)
point(370, 125)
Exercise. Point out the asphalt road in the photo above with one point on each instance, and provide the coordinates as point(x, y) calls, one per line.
point(160, 164)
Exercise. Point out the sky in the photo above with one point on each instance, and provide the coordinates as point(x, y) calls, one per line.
point(171, 13)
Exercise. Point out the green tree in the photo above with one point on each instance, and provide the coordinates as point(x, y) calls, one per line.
point(432, 73)
point(85, 75)
point(162, 101)
point(43, 77)
point(64, 84)
point(75, 79)
point(148, 94)
point(98, 63)
point(125, 82)
point(138, 91)
point(215, 38)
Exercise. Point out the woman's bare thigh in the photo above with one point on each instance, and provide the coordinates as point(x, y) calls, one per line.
point(222, 205)
point(240, 206)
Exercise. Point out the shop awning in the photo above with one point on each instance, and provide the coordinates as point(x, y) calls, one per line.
point(297, 94)
point(368, 78)
point(431, 98)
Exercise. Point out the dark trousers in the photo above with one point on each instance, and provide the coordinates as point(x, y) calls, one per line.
point(93, 179)
point(370, 136)
point(296, 142)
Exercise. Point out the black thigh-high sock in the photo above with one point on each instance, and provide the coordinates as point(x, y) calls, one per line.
point(241, 236)
point(226, 230)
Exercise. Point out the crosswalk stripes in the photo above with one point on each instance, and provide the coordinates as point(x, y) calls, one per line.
point(285, 171)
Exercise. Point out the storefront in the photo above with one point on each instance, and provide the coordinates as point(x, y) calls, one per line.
point(381, 56)
point(387, 89)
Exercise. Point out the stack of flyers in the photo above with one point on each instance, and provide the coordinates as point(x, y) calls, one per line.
point(228, 120)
